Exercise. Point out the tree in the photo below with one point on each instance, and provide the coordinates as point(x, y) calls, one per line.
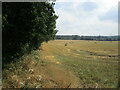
point(25, 25)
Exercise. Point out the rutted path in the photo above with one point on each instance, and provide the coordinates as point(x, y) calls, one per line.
point(96, 54)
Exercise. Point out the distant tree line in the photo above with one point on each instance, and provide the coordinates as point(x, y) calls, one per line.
point(97, 38)
point(25, 25)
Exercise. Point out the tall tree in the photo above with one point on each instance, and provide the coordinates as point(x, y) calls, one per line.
point(25, 25)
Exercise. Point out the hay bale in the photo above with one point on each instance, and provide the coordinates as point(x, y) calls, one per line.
point(66, 44)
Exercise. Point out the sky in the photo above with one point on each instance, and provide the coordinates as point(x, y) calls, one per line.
point(87, 17)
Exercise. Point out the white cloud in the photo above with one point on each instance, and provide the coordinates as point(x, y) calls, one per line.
point(73, 19)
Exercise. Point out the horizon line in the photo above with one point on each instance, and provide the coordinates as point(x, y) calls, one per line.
point(84, 35)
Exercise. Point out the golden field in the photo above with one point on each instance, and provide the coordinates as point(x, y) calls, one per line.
point(66, 64)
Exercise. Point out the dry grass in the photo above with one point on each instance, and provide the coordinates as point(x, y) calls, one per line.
point(91, 64)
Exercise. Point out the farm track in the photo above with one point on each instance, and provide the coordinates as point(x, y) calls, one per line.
point(97, 54)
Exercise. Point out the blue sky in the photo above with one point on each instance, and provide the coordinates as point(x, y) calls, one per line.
point(87, 17)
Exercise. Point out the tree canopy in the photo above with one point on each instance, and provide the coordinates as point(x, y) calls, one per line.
point(25, 25)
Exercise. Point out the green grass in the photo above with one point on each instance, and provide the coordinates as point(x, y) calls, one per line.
point(93, 70)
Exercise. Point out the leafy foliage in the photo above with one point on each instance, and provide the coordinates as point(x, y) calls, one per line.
point(25, 26)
